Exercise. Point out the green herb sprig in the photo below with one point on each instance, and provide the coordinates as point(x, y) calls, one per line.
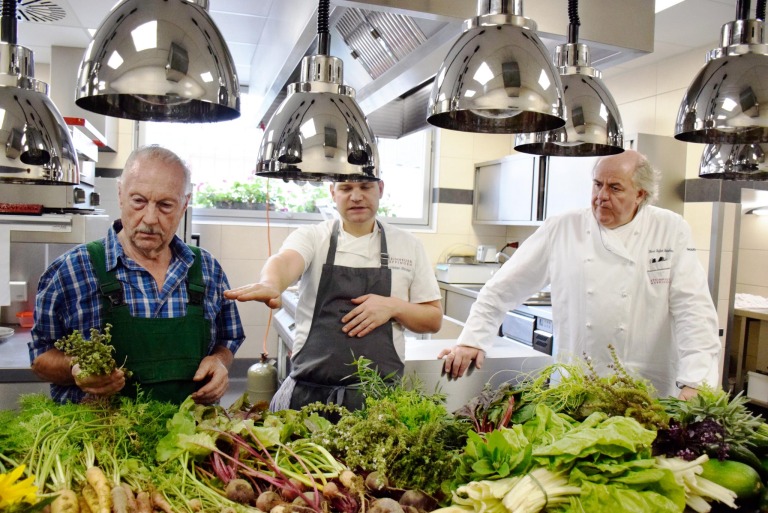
point(94, 355)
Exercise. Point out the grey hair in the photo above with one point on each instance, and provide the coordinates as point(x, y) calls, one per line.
point(647, 178)
point(164, 155)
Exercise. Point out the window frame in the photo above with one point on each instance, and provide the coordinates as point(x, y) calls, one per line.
point(237, 216)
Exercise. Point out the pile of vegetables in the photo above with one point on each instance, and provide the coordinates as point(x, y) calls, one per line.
point(564, 440)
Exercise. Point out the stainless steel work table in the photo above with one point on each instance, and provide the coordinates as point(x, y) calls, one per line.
point(16, 376)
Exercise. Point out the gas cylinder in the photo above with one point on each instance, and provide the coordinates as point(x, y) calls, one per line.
point(262, 380)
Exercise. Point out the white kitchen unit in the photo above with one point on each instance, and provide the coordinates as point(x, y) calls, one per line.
point(505, 361)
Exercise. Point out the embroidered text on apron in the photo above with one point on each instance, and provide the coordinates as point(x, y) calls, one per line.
point(163, 354)
point(324, 367)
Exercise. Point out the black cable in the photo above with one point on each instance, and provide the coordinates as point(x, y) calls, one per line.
point(8, 22)
point(323, 34)
point(573, 21)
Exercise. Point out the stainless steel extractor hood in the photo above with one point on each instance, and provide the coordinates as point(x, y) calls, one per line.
point(392, 49)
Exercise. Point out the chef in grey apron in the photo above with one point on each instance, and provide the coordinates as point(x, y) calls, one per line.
point(323, 370)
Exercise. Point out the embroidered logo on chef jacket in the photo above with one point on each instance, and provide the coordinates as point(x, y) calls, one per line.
point(401, 264)
point(659, 266)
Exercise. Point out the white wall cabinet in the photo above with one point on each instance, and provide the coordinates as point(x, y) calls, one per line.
point(569, 184)
point(507, 190)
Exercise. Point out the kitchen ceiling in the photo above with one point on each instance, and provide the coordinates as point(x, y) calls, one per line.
point(268, 38)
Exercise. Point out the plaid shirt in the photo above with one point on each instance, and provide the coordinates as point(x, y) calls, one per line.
point(68, 298)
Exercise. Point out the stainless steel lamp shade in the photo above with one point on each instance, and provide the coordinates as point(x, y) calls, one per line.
point(497, 77)
point(159, 60)
point(593, 122)
point(734, 162)
point(727, 102)
point(36, 146)
point(319, 132)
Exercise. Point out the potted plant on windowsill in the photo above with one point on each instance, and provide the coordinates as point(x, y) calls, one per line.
point(250, 195)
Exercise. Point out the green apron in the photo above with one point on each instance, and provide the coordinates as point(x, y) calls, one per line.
point(163, 354)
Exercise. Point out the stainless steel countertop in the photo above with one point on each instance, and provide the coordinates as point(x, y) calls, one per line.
point(14, 357)
point(471, 290)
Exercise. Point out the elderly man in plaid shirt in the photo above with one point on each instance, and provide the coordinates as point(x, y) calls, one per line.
point(171, 325)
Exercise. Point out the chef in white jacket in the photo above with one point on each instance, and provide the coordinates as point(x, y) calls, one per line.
point(623, 273)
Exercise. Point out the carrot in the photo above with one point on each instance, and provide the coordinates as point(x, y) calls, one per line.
point(66, 502)
point(143, 503)
point(91, 498)
point(119, 499)
point(160, 502)
point(129, 496)
point(96, 478)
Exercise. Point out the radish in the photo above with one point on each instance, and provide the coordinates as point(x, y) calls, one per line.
point(385, 505)
point(240, 491)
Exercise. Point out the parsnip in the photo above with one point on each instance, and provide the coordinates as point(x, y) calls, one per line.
point(66, 502)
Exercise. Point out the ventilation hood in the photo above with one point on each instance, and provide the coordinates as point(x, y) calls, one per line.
point(392, 49)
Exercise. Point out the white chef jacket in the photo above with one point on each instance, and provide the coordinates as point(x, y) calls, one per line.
point(413, 278)
point(648, 298)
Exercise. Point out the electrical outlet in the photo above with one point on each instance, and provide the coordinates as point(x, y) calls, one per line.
point(18, 291)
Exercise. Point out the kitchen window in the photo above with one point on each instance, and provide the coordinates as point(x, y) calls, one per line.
point(222, 157)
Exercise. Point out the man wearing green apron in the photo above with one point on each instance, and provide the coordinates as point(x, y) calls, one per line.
point(171, 325)
point(362, 282)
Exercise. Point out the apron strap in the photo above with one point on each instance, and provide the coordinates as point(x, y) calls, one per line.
point(195, 284)
point(331, 257)
point(334, 394)
point(384, 252)
point(110, 286)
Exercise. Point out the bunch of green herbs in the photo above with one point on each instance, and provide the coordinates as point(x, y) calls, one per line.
point(402, 433)
point(94, 355)
point(715, 424)
point(578, 390)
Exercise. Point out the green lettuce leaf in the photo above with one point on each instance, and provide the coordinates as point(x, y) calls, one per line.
point(611, 437)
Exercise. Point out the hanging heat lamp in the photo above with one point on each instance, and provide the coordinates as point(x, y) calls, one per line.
point(498, 77)
point(593, 122)
point(734, 162)
point(38, 145)
point(727, 102)
point(319, 132)
point(159, 60)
